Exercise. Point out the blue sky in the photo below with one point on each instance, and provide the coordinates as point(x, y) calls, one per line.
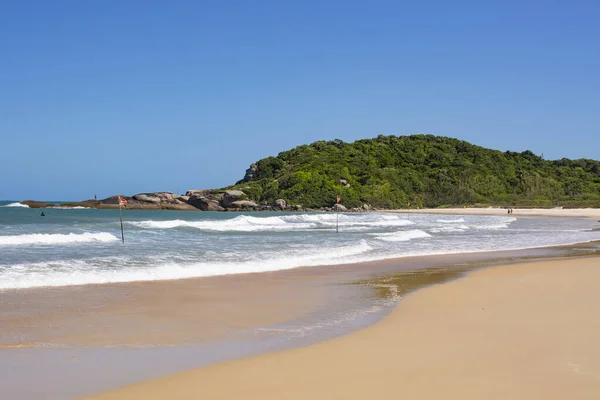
point(105, 97)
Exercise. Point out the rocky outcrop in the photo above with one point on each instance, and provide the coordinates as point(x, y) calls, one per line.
point(203, 203)
point(230, 196)
point(250, 174)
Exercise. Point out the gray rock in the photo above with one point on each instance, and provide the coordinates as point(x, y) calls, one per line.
point(339, 207)
point(183, 198)
point(156, 198)
point(244, 204)
point(250, 174)
point(147, 198)
point(231, 196)
point(280, 203)
point(366, 207)
point(343, 182)
point(204, 204)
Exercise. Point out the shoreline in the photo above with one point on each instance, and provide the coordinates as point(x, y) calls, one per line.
point(452, 340)
point(85, 364)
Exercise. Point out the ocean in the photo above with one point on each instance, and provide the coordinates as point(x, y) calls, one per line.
point(83, 246)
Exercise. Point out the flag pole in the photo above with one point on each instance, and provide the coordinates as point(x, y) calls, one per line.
point(121, 217)
point(337, 215)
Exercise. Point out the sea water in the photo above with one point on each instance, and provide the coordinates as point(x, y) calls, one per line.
point(83, 246)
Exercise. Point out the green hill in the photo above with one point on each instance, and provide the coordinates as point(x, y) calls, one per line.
point(425, 170)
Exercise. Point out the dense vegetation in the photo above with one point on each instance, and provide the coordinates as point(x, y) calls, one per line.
point(425, 170)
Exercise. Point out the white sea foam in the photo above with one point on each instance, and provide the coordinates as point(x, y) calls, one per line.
point(247, 223)
point(16, 205)
point(402, 236)
point(56, 238)
point(81, 272)
point(451, 228)
point(241, 223)
point(451, 221)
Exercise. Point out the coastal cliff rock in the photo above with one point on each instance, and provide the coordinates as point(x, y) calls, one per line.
point(250, 174)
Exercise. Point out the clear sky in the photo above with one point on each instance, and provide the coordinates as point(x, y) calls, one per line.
point(105, 97)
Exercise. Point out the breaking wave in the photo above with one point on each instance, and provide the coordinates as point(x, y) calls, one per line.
point(17, 204)
point(246, 223)
point(82, 272)
point(451, 221)
point(56, 238)
point(402, 236)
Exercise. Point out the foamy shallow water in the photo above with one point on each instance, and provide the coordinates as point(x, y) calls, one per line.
point(83, 246)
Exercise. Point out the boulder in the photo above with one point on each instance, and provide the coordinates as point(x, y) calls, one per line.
point(231, 196)
point(280, 203)
point(366, 207)
point(156, 197)
point(339, 207)
point(203, 203)
point(147, 198)
point(183, 198)
point(247, 204)
point(343, 182)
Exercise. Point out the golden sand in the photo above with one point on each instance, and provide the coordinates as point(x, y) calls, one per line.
point(525, 331)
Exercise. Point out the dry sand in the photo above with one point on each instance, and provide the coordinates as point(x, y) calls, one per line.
point(525, 331)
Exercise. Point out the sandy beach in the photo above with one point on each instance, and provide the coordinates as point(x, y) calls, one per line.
point(592, 213)
point(521, 331)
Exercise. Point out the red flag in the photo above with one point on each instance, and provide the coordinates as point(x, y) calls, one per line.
point(338, 198)
point(122, 201)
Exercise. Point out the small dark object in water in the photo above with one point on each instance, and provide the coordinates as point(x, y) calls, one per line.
point(42, 214)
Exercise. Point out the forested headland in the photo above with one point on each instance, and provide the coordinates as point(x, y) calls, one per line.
point(420, 170)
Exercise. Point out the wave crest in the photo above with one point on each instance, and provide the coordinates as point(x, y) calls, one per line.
point(56, 238)
point(17, 204)
point(402, 236)
point(247, 223)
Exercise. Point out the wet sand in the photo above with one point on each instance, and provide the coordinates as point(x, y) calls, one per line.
point(191, 311)
point(76, 341)
point(521, 331)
